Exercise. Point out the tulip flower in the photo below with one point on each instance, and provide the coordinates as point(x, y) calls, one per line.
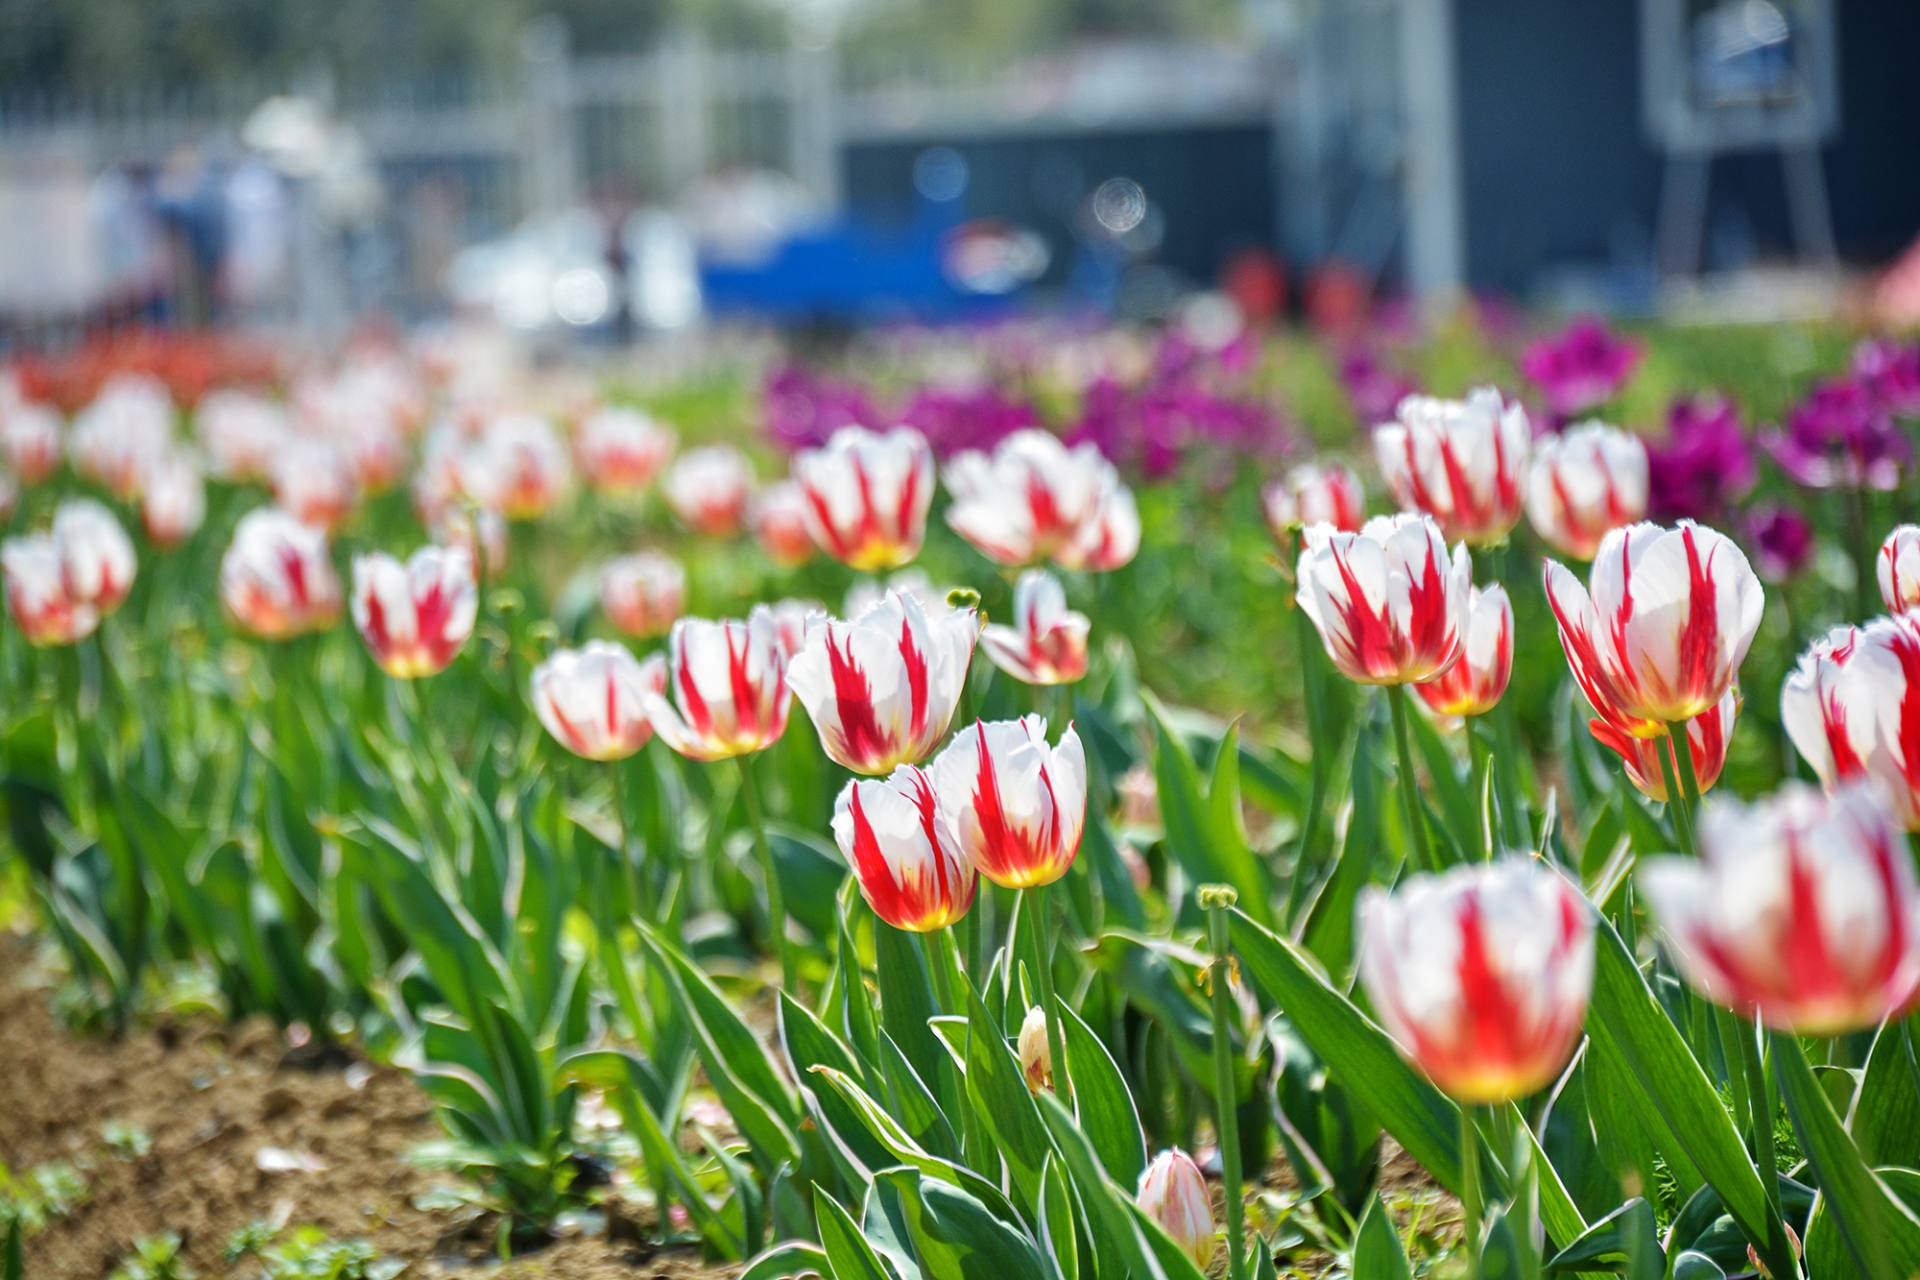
point(643, 593)
point(312, 482)
point(1585, 482)
point(518, 467)
point(1581, 368)
point(708, 488)
point(1705, 464)
point(30, 441)
point(1782, 541)
point(1898, 568)
point(1463, 462)
point(1708, 735)
point(173, 499)
point(96, 556)
point(791, 621)
point(778, 514)
point(276, 580)
point(593, 699)
point(37, 594)
point(883, 688)
point(1473, 685)
point(1109, 538)
point(1661, 636)
point(1015, 805)
point(1036, 1059)
point(867, 494)
point(241, 433)
point(482, 534)
point(1841, 437)
point(903, 858)
point(1174, 1194)
point(621, 450)
point(728, 682)
point(1388, 602)
point(1850, 704)
point(1029, 499)
point(1481, 974)
point(416, 616)
point(1047, 643)
point(1801, 910)
point(1310, 495)
point(127, 425)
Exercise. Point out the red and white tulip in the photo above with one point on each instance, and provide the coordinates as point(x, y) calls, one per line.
point(1463, 462)
point(882, 689)
point(1047, 643)
point(114, 439)
point(1390, 605)
point(1014, 804)
point(1586, 482)
point(97, 559)
point(1475, 683)
point(242, 433)
point(30, 441)
point(1707, 736)
point(726, 693)
point(1800, 911)
point(709, 488)
point(1313, 494)
point(1851, 705)
point(867, 494)
point(37, 594)
point(593, 699)
point(1109, 538)
point(779, 516)
point(1036, 1055)
point(1173, 1192)
point(643, 594)
point(1029, 499)
point(416, 616)
point(276, 579)
point(621, 450)
point(1898, 568)
point(517, 467)
point(1660, 634)
point(903, 858)
point(313, 482)
point(173, 499)
point(1481, 974)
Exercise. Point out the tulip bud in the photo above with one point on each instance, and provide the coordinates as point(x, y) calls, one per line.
point(1048, 642)
point(1667, 624)
point(1707, 738)
point(96, 557)
point(1311, 495)
point(1473, 685)
point(1013, 804)
point(1036, 1059)
point(30, 440)
point(128, 424)
point(1586, 482)
point(779, 517)
point(866, 495)
point(728, 682)
point(1801, 910)
point(883, 688)
point(276, 579)
point(643, 593)
point(1481, 974)
point(1389, 604)
point(1460, 461)
point(173, 499)
point(1850, 704)
point(1029, 499)
point(621, 450)
point(37, 594)
point(518, 467)
point(312, 482)
point(415, 617)
point(1174, 1194)
point(593, 699)
point(708, 488)
point(1898, 567)
point(909, 869)
point(241, 433)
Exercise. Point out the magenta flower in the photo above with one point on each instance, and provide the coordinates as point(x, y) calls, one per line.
point(1373, 388)
point(1705, 464)
point(958, 418)
point(802, 409)
point(1782, 542)
point(1580, 368)
point(1840, 436)
point(1892, 372)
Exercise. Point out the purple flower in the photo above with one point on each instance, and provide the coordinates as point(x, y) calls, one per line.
point(1840, 437)
point(973, 417)
point(1580, 368)
point(1154, 426)
point(1704, 465)
point(1892, 372)
point(801, 408)
point(1782, 540)
point(1373, 389)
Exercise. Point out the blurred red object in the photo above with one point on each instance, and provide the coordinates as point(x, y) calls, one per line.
point(1336, 298)
point(1257, 283)
point(189, 363)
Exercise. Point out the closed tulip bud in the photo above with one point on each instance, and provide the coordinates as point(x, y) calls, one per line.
point(414, 617)
point(1310, 495)
point(96, 556)
point(1898, 568)
point(1015, 805)
point(1850, 704)
point(594, 699)
point(313, 482)
point(37, 594)
point(1389, 604)
point(726, 692)
point(1463, 462)
point(643, 593)
point(1036, 1059)
point(1707, 737)
point(621, 450)
point(276, 579)
point(518, 467)
point(30, 440)
point(1475, 683)
point(778, 514)
point(708, 488)
point(909, 869)
point(1047, 643)
point(173, 500)
point(1028, 499)
point(1173, 1192)
point(867, 494)
point(241, 432)
point(1109, 538)
point(1481, 974)
point(1801, 909)
point(1586, 482)
point(1662, 633)
point(883, 688)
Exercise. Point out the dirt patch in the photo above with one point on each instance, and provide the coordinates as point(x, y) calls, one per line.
point(237, 1128)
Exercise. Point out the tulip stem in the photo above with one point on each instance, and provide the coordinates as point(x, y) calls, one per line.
point(1040, 952)
point(629, 869)
point(1409, 781)
point(1312, 693)
point(937, 945)
point(776, 899)
point(1761, 1099)
point(1216, 899)
point(1471, 1211)
point(1676, 800)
